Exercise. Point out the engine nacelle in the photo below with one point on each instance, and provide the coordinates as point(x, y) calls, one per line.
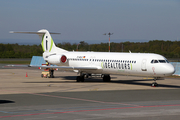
point(57, 59)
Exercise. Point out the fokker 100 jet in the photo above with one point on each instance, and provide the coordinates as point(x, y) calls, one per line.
point(105, 63)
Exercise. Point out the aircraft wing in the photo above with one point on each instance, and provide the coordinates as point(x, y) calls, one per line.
point(16, 66)
point(69, 67)
point(59, 67)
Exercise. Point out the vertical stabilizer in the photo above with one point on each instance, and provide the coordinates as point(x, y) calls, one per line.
point(48, 43)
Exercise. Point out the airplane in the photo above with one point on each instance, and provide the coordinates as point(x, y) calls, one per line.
point(104, 63)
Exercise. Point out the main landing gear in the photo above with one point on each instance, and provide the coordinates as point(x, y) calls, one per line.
point(106, 78)
point(154, 84)
point(80, 78)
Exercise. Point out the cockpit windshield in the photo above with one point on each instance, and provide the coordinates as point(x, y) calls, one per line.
point(162, 61)
point(167, 61)
point(159, 61)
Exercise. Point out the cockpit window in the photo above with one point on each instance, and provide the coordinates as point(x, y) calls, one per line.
point(162, 61)
point(167, 61)
point(152, 61)
point(155, 61)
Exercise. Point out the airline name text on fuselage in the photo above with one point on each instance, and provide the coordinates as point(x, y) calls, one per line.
point(112, 65)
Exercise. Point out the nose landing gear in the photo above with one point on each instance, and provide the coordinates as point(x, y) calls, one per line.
point(154, 84)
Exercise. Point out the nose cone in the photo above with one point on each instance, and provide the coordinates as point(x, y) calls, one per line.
point(170, 70)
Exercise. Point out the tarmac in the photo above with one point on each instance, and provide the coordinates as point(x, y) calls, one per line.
point(24, 95)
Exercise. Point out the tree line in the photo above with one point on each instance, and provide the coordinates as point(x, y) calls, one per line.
point(169, 49)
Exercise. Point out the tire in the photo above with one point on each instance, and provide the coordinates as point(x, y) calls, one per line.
point(82, 78)
point(106, 78)
point(78, 79)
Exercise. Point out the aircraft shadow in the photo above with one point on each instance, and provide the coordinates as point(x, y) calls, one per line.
point(137, 82)
point(6, 101)
point(72, 79)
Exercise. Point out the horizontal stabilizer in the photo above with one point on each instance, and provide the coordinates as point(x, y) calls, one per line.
point(39, 33)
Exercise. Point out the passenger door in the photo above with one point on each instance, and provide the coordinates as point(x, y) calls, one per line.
point(143, 65)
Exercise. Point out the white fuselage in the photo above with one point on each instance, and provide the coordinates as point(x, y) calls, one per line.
point(136, 64)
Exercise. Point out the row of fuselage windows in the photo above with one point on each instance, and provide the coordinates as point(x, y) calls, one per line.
point(159, 61)
point(103, 60)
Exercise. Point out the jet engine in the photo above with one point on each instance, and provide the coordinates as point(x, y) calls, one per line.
point(57, 59)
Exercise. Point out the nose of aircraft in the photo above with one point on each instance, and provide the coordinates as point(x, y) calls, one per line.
point(170, 69)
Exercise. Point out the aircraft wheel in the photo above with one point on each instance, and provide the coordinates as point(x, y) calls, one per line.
point(86, 75)
point(78, 79)
point(106, 78)
point(82, 78)
point(154, 84)
point(42, 75)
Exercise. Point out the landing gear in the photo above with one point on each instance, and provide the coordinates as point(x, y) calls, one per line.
point(154, 84)
point(80, 78)
point(106, 78)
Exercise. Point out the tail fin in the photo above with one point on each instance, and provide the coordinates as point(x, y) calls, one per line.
point(47, 43)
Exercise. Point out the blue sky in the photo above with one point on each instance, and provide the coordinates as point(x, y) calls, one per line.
point(88, 20)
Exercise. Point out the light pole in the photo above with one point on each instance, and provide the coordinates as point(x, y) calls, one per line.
point(77, 47)
point(109, 39)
